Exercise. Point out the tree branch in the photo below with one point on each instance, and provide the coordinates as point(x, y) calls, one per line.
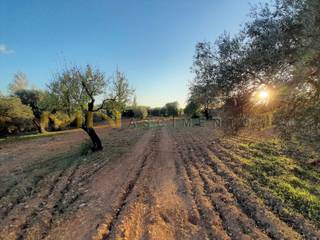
point(86, 88)
point(102, 104)
point(254, 75)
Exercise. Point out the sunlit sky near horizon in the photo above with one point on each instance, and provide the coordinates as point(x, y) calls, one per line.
point(151, 41)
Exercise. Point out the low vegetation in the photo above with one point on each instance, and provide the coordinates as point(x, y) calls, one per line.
point(14, 116)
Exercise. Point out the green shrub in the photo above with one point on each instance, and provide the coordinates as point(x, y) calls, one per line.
point(193, 110)
point(14, 116)
point(172, 109)
point(140, 112)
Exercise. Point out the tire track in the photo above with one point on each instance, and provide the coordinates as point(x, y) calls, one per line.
point(109, 227)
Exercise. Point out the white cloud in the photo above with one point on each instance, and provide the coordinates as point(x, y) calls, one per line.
point(5, 50)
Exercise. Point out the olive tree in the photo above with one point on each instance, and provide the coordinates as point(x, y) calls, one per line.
point(203, 89)
point(192, 109)
point(77, 89)
point(279, 48)
point(121, 94)
point(36, 99)
point(67, 91)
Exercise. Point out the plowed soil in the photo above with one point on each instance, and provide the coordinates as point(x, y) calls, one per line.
point(157, 183)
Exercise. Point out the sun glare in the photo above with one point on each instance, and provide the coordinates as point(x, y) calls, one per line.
point(263, 95)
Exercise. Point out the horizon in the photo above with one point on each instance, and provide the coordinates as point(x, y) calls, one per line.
point(152, 42)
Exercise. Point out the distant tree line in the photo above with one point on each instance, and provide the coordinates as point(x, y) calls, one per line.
point(277, 50)
point(170, 109)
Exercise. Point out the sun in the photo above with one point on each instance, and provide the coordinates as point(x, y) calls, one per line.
point(263, 95)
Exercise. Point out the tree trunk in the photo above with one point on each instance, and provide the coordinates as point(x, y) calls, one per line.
point(88, 128)
point(206, 113)
point(37, 124)
point(97, 146)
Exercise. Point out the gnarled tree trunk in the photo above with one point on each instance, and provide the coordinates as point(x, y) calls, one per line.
point(97, 146)
point(88, 128)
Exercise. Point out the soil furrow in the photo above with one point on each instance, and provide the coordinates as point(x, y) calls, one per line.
point(22, 195)
point(208, 216)
point(41, 201)
point(235, 221)
point(295, 220)
point(57, 208)
point(194, 216)
point(40, 220)
point(6, 191)
point(128, 190)
point(250, 204)
point(253, 205)
point(224, 202)
point(123, 199)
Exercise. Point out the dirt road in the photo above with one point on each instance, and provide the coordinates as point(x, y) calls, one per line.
point(166, 184)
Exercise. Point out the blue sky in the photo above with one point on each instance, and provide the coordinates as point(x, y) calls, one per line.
point(151, 41)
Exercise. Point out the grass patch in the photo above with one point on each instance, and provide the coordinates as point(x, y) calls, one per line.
point(295, 183)
point(297, 198)
point(13, 139)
